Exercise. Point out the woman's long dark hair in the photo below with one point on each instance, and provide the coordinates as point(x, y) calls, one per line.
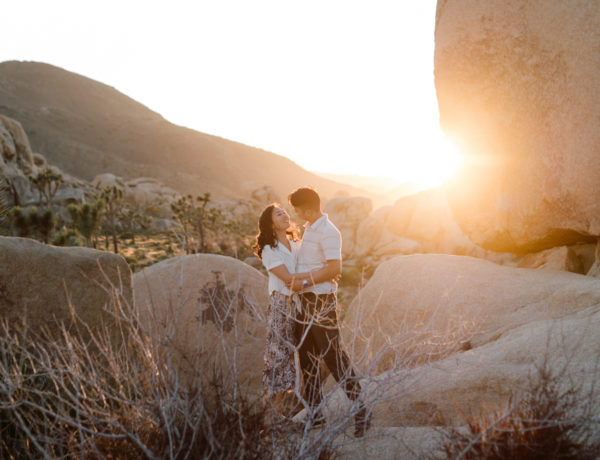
point(266, 235)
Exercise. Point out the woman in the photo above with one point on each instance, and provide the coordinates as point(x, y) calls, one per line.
point(277, 247)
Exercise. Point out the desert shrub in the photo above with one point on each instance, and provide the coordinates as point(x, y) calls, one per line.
point(33, 222)
point(357, 274)
point(67, 237)
point(85, 220)
point(553, 419)
point(71, 392)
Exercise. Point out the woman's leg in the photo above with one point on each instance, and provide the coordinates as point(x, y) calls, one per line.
point(279, 371)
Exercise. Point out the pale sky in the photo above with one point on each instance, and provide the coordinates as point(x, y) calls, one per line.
point(337, 86)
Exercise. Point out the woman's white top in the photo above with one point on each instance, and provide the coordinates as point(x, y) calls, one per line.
point(280, 255)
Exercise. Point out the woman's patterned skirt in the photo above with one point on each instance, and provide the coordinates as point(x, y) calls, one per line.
point(279, 371)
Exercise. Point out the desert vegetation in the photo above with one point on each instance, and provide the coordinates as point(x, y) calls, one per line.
point(553, 418)
point(109, 222)
point(76, 391)
point(71, 390)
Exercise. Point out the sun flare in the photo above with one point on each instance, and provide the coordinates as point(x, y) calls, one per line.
point(433, 165)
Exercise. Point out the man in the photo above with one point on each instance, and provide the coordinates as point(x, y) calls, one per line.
point(317, 331)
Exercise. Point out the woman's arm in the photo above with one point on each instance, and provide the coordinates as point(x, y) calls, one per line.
point(282, 273)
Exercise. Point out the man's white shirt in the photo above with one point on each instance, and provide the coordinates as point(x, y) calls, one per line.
point(321, 242)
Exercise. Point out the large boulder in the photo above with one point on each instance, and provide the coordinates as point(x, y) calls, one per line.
point(422, 222)
point(421, 303)
point(347, 213)
point(472, 383)
point(519, 89)
point(40, 283)
point(209, 311)
point(146, 191)
point(426, 217)
point(107, 180)
point(445, 335)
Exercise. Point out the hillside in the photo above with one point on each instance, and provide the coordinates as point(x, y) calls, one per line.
point(87, 128)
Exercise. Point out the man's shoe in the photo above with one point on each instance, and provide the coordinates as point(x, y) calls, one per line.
point(362, 422)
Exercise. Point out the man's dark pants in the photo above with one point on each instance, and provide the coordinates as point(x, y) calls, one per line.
point(318, 335)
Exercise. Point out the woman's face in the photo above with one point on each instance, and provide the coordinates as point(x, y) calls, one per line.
point(281, 219)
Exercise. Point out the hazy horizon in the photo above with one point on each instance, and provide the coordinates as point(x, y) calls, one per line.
point(337, 87)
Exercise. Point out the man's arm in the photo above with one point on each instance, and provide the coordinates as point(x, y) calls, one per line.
point(327, 273)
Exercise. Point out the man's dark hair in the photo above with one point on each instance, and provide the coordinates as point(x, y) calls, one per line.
point(305, 197)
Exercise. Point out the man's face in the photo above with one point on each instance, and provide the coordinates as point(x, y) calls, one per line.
point(302, 213)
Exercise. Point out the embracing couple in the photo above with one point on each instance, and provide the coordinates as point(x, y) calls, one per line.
point(302, 324)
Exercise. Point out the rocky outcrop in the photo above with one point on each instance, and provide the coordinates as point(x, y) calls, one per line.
point(18, 163)
point(562, 258)
point(453, 335)
point(107, 180)
point(347, 213)
point(417, 223)
point(209, 310)
point(146, 191)
point(420, 303)
point(39, 283)
point(519, 89)
point(265, 195)
point(474, 382)
point(14, 145)
point(143, 192)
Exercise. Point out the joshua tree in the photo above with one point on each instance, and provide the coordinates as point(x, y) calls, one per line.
point(34, 223)
point(47, 182)
point(132, 220)
point(112, 198)
point(196, 216)
point(19, 221)
point(86, 220)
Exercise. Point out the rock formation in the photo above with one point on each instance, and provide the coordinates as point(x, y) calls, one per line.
point(347, 214)
point(447, 334)
point(561, 258)
point(417, 223)
point(141, 192)
point(209, 310)
point(18, 162)
point(457, 299)
point(38, 283)
point(519, 89)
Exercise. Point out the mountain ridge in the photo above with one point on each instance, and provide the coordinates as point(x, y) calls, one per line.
point(87, 128)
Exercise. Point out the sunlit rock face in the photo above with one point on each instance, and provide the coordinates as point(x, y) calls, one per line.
point(518, 86)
